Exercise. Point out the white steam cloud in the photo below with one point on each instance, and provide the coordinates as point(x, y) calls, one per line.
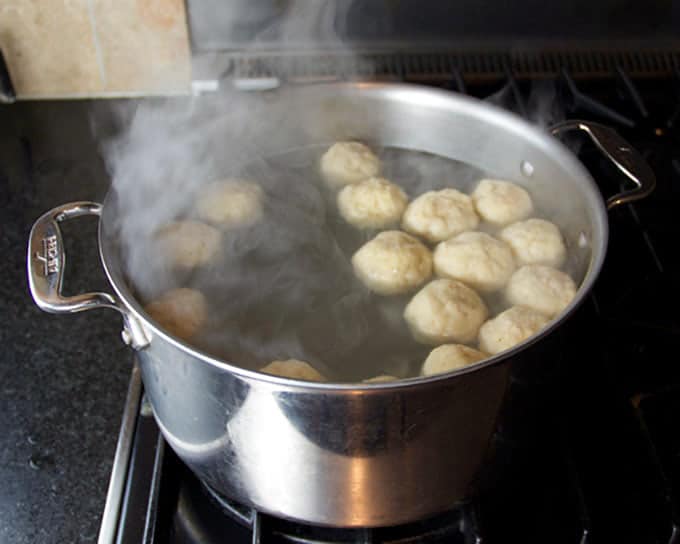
point(283, 287)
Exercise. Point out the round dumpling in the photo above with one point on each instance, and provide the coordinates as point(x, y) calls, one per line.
point(477, 259)
point(501, 202)
point(230, 203)
point(189, 243)
point(438, 215)
point(509, 328)
point(542, 288)
point(535, 241)
point(445, 311)
point(393, 262)
point(294, 369)
point(181, 312)
point(450, 357)
point(348, 162)
point(381, 379)
point(373, 203)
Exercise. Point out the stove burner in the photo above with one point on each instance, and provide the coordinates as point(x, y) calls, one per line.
point(456, 526)
point(242, 514)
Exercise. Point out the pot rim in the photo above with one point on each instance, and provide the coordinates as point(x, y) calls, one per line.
point(415, 94)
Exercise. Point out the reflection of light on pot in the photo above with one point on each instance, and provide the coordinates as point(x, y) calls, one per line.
point(197, 451)
point(359, 475)
point(198, 430)
point(266, 470)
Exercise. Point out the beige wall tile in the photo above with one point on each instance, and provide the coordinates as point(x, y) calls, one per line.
point(144, 45)
point(64, 48)
point(49, 47)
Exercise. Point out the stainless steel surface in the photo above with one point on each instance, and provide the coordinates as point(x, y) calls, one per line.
point(152, 507)
point(46, 261)
point(114, 496)
point(362, 454)
point(619, 152)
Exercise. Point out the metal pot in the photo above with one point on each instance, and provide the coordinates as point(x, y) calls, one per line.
point(354, 454)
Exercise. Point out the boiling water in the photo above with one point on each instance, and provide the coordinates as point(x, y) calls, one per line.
point(285, 287)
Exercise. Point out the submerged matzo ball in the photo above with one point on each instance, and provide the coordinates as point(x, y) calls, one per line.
point(373, 203)
point(230, 203)
point(450, 357)
point(445, 311)
point(294, 369)
point(381, 379)
point(348, 162)
point(181, 312)
point(475, 258)
point(501, 202)
point(393, 262)
point(188, 244)
point(542, 288)
point(509, 328)
point(438, 215)
point(535, 241)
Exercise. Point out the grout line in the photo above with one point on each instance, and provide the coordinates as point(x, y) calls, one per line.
point(97, 45)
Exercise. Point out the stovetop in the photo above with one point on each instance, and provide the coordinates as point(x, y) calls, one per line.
point(600, 459)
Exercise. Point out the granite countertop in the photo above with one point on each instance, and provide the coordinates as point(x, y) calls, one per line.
point(63, 379)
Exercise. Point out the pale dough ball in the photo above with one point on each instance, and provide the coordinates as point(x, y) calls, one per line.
point(501, 202)
point(231, 203)
point(542, 288)
point(438, 215)
point(445, 311)
point(477, 259)
point(450, 357)
point(181, 312)
point(373, 203)
point(393, 262)
point(294, 369)
point(381, 379)
point(509, 328)
point(535, 241)
point(348, 162)
point(189, 243)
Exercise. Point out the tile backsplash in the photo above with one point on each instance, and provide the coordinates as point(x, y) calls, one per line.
point(79, 48)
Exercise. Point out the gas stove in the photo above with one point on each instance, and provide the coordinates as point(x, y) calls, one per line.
point(598, 457)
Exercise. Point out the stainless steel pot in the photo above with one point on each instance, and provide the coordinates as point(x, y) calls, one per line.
point(353, 454)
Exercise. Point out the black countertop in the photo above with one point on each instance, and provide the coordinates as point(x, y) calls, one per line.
point(63, 379)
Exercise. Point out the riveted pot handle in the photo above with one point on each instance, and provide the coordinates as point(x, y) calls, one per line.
point(46, 260)
point(621, 153)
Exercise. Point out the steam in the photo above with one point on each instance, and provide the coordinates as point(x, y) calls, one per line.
point(284, 287)
point(281, 288)
point(320, 23)
point(169, 150)
point(543, 107)
point(540, 106)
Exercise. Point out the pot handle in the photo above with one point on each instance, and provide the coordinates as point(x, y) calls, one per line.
point(621, 153)
point(46, 260)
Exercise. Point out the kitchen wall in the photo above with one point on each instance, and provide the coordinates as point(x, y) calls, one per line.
point(73, 48)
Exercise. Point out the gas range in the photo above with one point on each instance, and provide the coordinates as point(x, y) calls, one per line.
point(599, 458)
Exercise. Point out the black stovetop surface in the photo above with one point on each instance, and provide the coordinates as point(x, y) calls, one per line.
point(601, 462)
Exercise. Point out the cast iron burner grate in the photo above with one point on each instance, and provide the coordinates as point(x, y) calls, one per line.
point(457, 526)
